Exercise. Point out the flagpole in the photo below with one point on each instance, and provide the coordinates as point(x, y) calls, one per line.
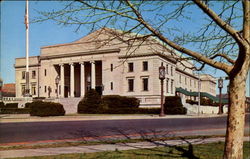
point(27, 91)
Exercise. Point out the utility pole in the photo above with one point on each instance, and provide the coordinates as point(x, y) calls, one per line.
point(27, 90)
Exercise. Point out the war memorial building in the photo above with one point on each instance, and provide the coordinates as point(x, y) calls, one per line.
point(111, 64)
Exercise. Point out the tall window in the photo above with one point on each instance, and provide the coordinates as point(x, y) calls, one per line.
point(111, 85)
point(145, 84)
point(167, 69)
point(130, 85)
point(190, 82)
point(145, 65)
point(180, 78)
point(167, 89)
point(23, 74)
point(23, 89)
point(45, 72)
point(33, 74)
point(171, 70)
point(111, 67)
point(172, 86)
point(45, 89)
point(130, 67)
point(185, 80)
point(33, 89)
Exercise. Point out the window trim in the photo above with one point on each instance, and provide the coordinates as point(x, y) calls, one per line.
point(133, 86)
point(131, 69)
point(143, 78)
point(143, 68)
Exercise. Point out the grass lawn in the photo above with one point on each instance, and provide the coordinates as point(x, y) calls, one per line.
point(203, 151)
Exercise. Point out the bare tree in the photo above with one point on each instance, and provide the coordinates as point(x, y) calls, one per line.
point(221, 39)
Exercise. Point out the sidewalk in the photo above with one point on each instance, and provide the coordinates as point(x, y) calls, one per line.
point(9, 118)
point(103, 147)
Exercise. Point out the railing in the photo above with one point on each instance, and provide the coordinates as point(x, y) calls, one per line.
point(10, 99)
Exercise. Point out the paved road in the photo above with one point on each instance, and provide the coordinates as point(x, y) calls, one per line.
point(41, 131)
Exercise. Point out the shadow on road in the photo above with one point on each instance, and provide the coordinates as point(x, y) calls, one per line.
point(146, 140)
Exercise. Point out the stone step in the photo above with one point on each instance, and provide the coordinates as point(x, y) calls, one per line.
point(69, 104)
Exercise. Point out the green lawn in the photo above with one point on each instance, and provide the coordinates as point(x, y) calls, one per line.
point(203, 151)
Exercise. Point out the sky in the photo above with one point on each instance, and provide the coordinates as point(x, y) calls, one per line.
point(41, 34)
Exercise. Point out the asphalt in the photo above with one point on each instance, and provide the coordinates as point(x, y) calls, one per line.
point(13, 118)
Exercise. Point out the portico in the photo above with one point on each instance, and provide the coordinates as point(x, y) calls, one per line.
point(78, 77)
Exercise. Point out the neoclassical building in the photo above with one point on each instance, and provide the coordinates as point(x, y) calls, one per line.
point(110, 63)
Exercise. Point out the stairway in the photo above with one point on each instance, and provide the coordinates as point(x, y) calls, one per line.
point(69, 104)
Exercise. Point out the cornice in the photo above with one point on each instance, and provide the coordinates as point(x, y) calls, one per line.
point(46, 57)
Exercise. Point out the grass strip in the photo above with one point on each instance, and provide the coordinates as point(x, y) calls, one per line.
point(201, 151)
point(107, 141)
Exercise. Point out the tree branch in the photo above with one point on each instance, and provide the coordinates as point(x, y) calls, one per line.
point(198, 56)
point(225, 26)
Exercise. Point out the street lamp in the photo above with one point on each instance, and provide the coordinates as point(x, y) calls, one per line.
point(57, 82)
point(220, 86)
point(162, 77)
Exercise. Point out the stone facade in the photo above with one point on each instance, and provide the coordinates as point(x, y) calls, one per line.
point(113, 67)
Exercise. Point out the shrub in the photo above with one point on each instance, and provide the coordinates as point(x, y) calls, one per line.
point(116, 101)
point(39, 108)
point(2, 105)
point(173, 105)
point(90, 103)
point(14, 111)
point(11, 105)
point(27, 105)
point(206, 101)
point(131, 111)
point(191, 102)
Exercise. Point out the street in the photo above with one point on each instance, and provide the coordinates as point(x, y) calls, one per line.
point(98, 129)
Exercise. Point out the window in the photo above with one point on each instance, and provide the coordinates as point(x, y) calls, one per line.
point(23, 74)
point(45, 89)
point(130, 85)
point(167, 90)
point(130, 67)
point(33, 89)
point(185, 80)
point(172, 86)
point(145, 65)
point(45, 72)
point(33, 74)
point(180, 78)
point(111, 67)
point(23, 89)
point(145, 84)
point(167, 69)
point(171, 70)
point(190, 82)
point(111, 85)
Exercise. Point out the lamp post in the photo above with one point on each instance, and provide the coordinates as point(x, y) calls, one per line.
point(220, 86)
point(162, 77)
point(57, 82)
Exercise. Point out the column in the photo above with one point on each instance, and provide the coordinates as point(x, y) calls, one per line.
point(92, 74)
point(62, 80)
point(72, 80)
point(82, 79)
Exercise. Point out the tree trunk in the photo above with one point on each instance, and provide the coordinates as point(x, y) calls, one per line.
point(236, 116)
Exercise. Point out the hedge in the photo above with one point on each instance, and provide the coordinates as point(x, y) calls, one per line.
point(91, 103)
point(39, 108)
point(173, 105)
point(116, 101)
point(14, 111)
point(11, 105)
point(2, 105)
point(130, 111)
